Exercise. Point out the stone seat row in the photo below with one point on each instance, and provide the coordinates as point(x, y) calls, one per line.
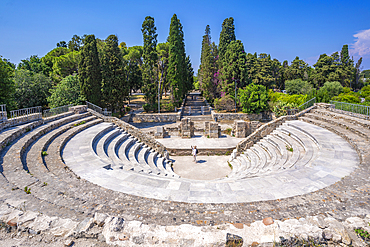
point(287, 147)
point(119, 150)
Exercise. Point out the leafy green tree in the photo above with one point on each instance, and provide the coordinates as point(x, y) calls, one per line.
point(132, 61)
point(297, 70)
point(114, 88)
point(150, 57)
point(67, 92)
point(48, 59)
point(347, 97)
point(264, 74)
point(65, 65)
point(7, 88)
point(253, 98)
point(208, 67)
point(62, 44)
point(31, 89)
point(163, 59)
point(227, 35)
point(34, 64)
point(298, 86)
point(177, 69)
point(333, 88)
point(89, 71)
point(75, 43)
point(234, 69)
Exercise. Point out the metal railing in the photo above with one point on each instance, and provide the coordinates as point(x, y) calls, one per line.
point(98, 109)
point(3, 113)
point(56, 110)
point(352, 108)
point(26, 112)
point(307, 104)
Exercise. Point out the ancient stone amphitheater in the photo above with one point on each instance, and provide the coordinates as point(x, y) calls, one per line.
point(83, 176)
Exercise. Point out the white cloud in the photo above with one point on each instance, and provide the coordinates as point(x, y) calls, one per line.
point(362, 44)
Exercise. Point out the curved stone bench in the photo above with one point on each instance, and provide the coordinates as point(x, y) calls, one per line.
point(288, 182)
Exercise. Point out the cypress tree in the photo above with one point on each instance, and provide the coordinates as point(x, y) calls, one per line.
point(150, 57)
point(177, 64)
point(89, 71)
point(226, 36)
point(208, 68)
point(114, 86)
point(234, 69)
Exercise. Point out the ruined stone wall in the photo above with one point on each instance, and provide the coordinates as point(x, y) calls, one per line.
point(156, 117)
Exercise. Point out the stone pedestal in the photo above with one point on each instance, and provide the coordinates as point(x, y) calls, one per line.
point(186, 128)
point(206, 128)
point(242, 129)
point(214, 130)
point(161, 132)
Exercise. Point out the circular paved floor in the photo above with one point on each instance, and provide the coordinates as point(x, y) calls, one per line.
point(335, 160)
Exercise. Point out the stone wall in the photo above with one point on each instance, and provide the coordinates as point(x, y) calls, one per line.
point(266, 129)
point(201, 151)
point(235, 116)
point(147, 139)
point(156, 117)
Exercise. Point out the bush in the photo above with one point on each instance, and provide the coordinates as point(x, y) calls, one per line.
point(333, 88)
point(149, 108)
point(297, 99)
point(280, 108)
point(226, 103)
point(127, 109)
point(168, 107)
point(298, 86)
point(66, 92)
point(253, 98)
point(347, 97)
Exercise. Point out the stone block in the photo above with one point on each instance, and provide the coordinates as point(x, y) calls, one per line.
point(186, 128)
point(78, 109)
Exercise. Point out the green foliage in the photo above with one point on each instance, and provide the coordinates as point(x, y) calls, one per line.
point(65, 65)
point(150, 57)
point(365, 91)
point(89, 71)
point(44, 153)
point(27, 190)
point(114, 87)
point(297, 70)
point(253, 98)
point(228, 131)
point(347, 97)
point(150, 107)
point(234, 68)
point(32, 89)
point(66, 92)
point(80, 123)
point(227, 35)
point(7, 87)
point(132, 61)
point(296, 99)
point(363, 234)
point(75, 43)
point(178, 68)
point(280, 108)
point(298, 86)
point(208, 67)
point(35, 64)
point(333, 88)
point(169, 107)
point(48, 59)
point(230, 165)
point(290, 149)
point(225, 103)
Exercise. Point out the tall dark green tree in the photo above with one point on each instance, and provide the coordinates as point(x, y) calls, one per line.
point(177, 66)
point(89, 71)
point(150, 57)
point(114, 87)
point(234, 69)
point(207, 68)
point(189, 75)
point(226, 36)
point(296, 70)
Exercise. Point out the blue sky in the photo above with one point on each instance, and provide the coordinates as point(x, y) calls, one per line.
point(284, 29)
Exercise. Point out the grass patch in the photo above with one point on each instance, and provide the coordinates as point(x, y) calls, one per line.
point(27, 190)
point(228, 131)
point(363, 234)
point(80, 123)
point(290, 149)
point(230, 165)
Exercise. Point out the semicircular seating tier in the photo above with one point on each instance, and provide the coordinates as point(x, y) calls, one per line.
point(297, 158)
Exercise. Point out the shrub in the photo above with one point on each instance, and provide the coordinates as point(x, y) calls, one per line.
point(333, 88)
point(280, 108)
point(127, 109)
point(226, 103)
point(298, 86)
point(168, 107)
point(253, 98)
point(347, 97)
point(149, 107)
